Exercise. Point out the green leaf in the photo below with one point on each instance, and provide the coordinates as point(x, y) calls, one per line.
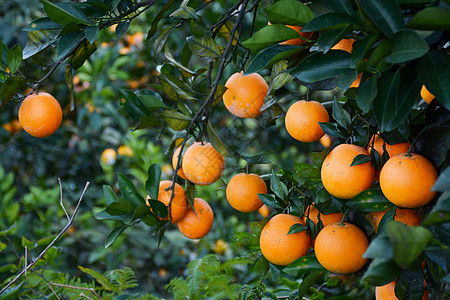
point(113, 235)
point(10, 87)
point(42, 24)
point(268, 36)
point(27, 243)
point(278, 187)
point(289, 12)
point(104, 215)
point(129, 191)
point(257, 227)
point(122, 27)
point(216, 141)
point(158, 208)
point(247, 239)
point(153, 179)
point(184, 12)
point(176, 120)
point(309, 281)
point(340, 115)
point(106, 284)
point(408, 241)
point(81, 54)
point(342, 6)
point(3, 53)
point(303, 265)
point(90, 33)
point(296, 228)
point(109, 194)
point(381, 272)
point(332, 129)
point(269, 200)
point(440, 212)
point(367, 92)
point(329, 38)
point(380, 247)
point(407, 45)
point(387, 15)
point(204, 46)
point(67, 43)
point(387, 217)
point(318, 66)
point(64, 13)
point(431, 18)
point(152, 100)
point(2, 247)
point(121, 207)
point(360, 159)
point(434, 71)
point(131, 104)
point(410, 285)
point(442, 184)
point(317, 158)
point(170, 58)
point(369, 201)
point(270, 56)
point(14, 58)
point(385, 104)
point(329, 21)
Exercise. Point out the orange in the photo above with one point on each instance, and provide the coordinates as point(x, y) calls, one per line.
point(15, 125)
point(387, 292)
point(426, 95)
point(179, 206)
point(325, 141)
point(340, 248)
point(406, 180)
point(355, 83)
point(202, 164)
point(314, 215)
point(175, 161)
point(108, 156)
point(391, 149)
point(220, 247)
point(242, 192)
point(277, 245)
point(40, 115)
point(264, 211)
point(245, 95)
point(196, 225)
point(297, 41)
point(345, 44)
point(8, 127)
point(405, 215)
point(342, 180)
point(302, 120)
point(125, 150)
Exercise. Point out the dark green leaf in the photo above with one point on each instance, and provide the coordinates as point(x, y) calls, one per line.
point(317, 158)
point(360, 159)
point(184, 12)
point(367, 92)
point(121, 207)
point(340, 115)
point(158, 208)
point(270, 56)
point(296, 228)
point(385, 104)
point(64, 13)
point(342, 6)
point(32, 48)
point(369, 201)
point(257, 227)
point(332, 129)
point(112, 236)
point(381, 271)
point(329, 21)
point(434, 142)
point(160, 40)
point(122, 27)
point(109, 194)
point(387, 15)
point(248, 239)
point(14, 58)
point(442, 184)
point(309, 281)
point(431, 18)
point(330, 38)
point(380, 247)
point(290, 12)
point(303, 265)
point(81, 54)
point(408, 241)
point(132, 104)
point(278, 187)
point(176, 120)
point(268, 36)
point(310, 172)
point(269, 200)
point(10, 87)
point(434, 71)
point(152, 101)
point(129, 191)
point(3, 53)
point(42, 24)
point(216, 141)
point(440, 212)
point(157, 18)
point(90, 33)
point(104, 215)
point(67, 43)
point(318, 66)
point(387, 217)
point(407, 45)
point(152, 183)
point(203, 46)
point(410, 285)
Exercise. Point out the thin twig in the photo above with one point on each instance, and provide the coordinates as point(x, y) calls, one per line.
point(50, 245)
point(76, 288)
point(61, 199)
point(49, 284)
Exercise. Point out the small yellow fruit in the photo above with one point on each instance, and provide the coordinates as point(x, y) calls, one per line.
point(220, 247)
point(125, 150)
point(108, 157)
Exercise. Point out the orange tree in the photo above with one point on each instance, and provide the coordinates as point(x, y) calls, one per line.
point(374, 57)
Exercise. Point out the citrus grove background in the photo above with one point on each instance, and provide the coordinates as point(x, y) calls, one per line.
point(316, 134)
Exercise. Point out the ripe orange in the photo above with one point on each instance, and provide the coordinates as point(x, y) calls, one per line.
point(264, 211)
point(405, 215)
point(179, 206)
point(40, 115)
point(196, 225)
point(340, 248)
point(125, 150)
point(108, 156)
point(345, 44)
point(245, 94)
point(342, 180)
point(387, 292)
point(8, 127)
point(15, 126)
point(325, 141)
point(242, 192)
point(391, 149)
point(175, 161)
point(314, 215)
point(277, 245)
point(355, 83)
point(406, 181)
point(202, 164)
point(297, 41)
point(426, 95)
point(302, 120)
